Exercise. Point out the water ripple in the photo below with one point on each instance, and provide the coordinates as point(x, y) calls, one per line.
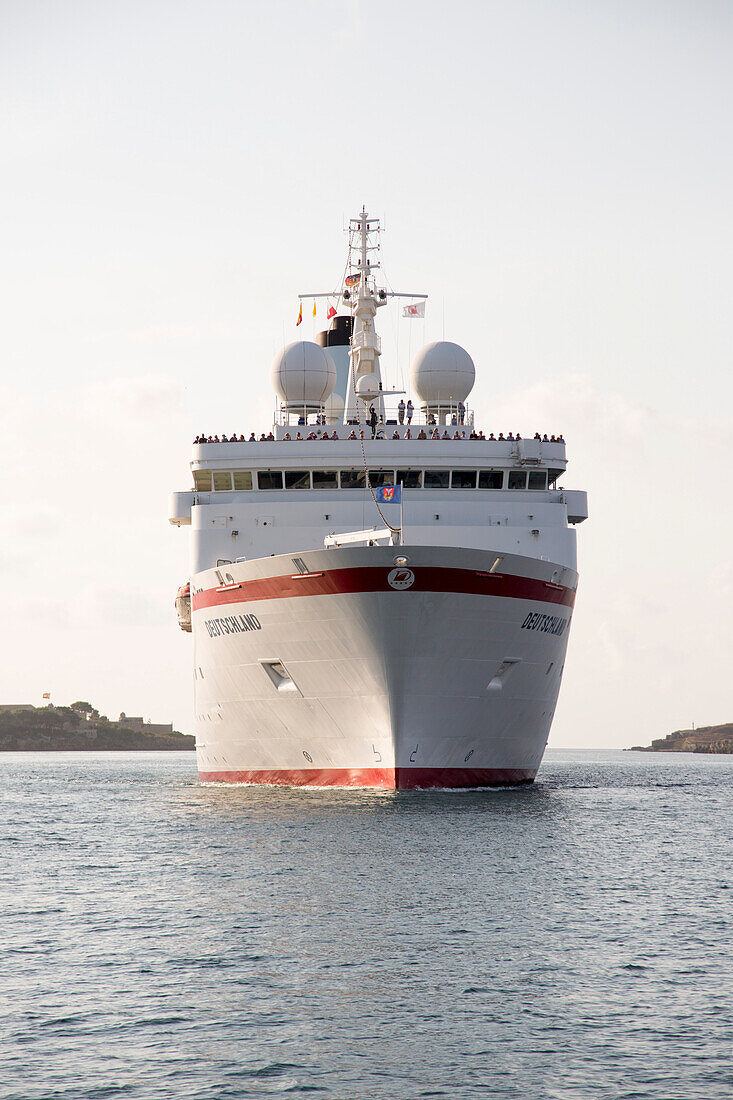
point(166, 941)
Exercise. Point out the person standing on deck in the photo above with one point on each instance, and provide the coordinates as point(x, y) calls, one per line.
point(401, 410)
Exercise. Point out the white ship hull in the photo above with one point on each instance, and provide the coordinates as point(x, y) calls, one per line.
point(336, 677)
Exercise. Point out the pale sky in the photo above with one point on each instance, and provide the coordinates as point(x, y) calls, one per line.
point(556, 175)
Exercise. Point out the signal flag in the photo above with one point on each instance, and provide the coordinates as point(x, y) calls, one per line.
point(389, 494)
point(314, 307)
point(331, 313)
point(300, 316)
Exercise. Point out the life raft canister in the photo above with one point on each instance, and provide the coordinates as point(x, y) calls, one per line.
point(183, 607)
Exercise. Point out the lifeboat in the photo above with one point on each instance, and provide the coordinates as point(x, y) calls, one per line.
point(183, 607)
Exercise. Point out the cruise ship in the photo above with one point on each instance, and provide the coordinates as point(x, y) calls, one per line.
point(380, 589)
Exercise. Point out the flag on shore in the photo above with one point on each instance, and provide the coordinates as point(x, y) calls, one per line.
point(417, 309)
point(300, 316)
point(46, 695)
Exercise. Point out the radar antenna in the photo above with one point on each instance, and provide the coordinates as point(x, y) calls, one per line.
point(360, 294)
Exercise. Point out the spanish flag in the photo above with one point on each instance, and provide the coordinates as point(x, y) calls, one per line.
point(300, 316)
point(314, 307)
point(46, 695)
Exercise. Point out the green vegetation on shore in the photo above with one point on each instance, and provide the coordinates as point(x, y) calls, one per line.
point(709, 739)
point(81, 727)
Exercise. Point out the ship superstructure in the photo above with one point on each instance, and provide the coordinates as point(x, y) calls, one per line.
point(380, 593)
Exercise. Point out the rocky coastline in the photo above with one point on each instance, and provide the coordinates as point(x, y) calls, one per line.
point(706, 739)
point(81, 728)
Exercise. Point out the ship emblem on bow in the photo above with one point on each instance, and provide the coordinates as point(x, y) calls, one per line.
point(401, 578)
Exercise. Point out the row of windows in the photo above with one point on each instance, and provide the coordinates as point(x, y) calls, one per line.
point(237, 480)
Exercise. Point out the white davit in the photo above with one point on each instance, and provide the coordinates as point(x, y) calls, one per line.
point(380, 592)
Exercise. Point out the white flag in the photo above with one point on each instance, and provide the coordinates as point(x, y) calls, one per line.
point(417, 309)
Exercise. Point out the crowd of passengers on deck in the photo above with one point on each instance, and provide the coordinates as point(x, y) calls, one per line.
point(322, 435)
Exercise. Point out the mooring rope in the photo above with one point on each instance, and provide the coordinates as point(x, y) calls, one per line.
point(394, 530)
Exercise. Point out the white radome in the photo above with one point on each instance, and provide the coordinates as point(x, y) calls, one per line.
point(367, 387)
point(442, 372)
point(303, 374)
point(335, 409)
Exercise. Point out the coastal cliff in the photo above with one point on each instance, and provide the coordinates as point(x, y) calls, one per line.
point(710, 739)
point(80, 727)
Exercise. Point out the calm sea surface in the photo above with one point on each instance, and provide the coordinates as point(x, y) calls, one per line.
point(165, 940)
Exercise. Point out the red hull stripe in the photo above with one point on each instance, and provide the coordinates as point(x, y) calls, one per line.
point(391, 779)
point(373, 578)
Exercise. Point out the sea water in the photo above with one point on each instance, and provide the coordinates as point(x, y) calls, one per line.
point(163, 939)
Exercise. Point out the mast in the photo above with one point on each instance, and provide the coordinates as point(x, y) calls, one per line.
point(360, 295)
point(366, 347)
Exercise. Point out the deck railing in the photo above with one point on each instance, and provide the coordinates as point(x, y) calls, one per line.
point(448, 415)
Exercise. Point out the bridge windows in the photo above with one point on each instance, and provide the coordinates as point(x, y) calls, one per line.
point(298, 479)
point(490, 479)
point(436, 479)
point(270, 479)
point(222, 481)
point(325, 479)
point(353, 479)
point(242, 480)
point(522, 479)
point(463, 479)
point(409, 479)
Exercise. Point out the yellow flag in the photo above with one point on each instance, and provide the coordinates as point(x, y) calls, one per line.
point(314, 307)
point(300, 315)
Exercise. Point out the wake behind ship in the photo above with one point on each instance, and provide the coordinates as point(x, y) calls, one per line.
point(380, 593)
